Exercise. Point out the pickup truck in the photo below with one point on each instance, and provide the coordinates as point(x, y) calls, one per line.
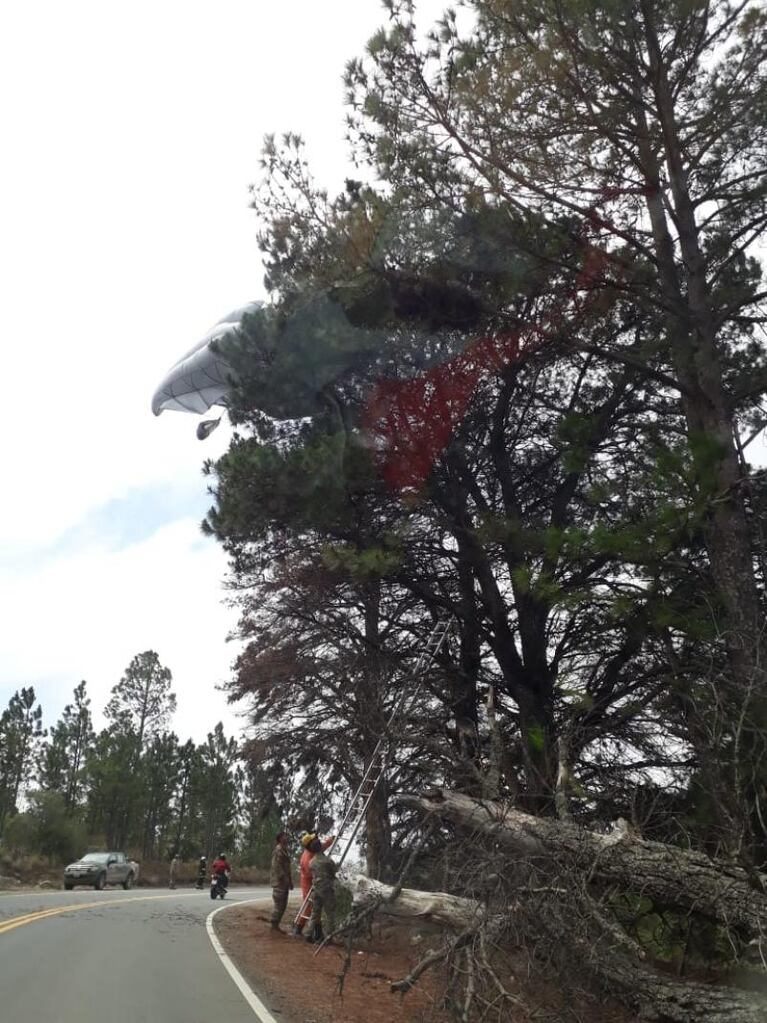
point(100, 869)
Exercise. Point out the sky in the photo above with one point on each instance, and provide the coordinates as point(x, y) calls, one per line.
point(130, 134)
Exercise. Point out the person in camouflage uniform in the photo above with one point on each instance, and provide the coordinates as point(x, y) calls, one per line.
point(324, 894)
point(280, 879)
point(202, 871)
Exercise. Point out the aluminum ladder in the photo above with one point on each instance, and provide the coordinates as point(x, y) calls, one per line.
point(360, 801)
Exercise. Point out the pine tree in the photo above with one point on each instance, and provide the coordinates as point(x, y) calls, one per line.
point(640, 127)
point(64, 752)
point(142, 701)
point(21, 732)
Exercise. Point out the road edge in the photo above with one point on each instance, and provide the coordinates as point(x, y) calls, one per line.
point(259, 1009)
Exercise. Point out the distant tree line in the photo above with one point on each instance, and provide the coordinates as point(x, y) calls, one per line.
point(134, 785)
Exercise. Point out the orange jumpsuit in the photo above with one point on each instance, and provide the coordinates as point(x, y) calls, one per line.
point(305, 874)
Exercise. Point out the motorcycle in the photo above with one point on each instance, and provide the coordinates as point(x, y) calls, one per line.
point(218, 885)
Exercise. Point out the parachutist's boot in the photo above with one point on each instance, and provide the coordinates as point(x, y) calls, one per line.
point(298, 929)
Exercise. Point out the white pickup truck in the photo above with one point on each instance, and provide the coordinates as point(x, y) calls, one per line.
point(100, 869)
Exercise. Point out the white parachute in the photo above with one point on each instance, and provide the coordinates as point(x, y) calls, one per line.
point(202, 378)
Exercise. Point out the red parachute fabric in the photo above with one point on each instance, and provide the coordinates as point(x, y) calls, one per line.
point(412, 421)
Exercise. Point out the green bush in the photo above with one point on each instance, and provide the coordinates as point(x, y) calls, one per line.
point(20, 836)
point(59, 837)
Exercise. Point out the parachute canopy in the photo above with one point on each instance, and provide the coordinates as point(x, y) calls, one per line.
point(202, 377)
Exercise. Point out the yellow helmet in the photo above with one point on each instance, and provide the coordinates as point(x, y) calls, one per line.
point(307, 838)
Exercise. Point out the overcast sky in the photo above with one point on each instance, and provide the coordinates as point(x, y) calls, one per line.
point(130, 134)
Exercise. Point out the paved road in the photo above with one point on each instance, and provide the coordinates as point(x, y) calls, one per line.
point(141, 956)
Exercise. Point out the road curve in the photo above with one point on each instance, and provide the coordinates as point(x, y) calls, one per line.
point(141, 956)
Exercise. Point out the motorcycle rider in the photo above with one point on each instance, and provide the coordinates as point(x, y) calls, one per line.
point(222, 870)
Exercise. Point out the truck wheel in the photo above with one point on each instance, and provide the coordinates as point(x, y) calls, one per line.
point(128, 882)
point(69, 887)
point(101, 883)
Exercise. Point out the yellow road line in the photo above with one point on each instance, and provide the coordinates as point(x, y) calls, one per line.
point(43, 914)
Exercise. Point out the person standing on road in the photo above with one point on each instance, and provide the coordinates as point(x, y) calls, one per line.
point(323, 871)
point(280, 879)
point(202, 872)
point(305, 876)
point(175, 863)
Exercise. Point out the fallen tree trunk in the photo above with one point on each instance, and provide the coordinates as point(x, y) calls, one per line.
point(654, 995)
point(570, 918)
point(438, 907)
point(668, 875)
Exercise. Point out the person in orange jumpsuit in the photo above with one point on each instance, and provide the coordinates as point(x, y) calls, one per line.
point(305, 875)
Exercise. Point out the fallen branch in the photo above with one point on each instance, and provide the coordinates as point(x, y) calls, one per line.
point(437, 955)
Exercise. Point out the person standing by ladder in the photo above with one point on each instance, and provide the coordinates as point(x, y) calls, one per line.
point(323, 871)
point(305, 876)
point(280, 879)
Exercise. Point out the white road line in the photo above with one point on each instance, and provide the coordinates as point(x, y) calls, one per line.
point(259, 1009)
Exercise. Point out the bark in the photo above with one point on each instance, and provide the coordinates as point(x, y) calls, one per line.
point(669, 876)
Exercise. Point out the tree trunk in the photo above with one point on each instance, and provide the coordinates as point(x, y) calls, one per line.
point(377, 824)
point(377, 832)
point(438, 907)
point(697, 363)
point(669, 876)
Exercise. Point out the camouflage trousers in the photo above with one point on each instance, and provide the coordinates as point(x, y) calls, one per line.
point(324, 899)
point(280, 904)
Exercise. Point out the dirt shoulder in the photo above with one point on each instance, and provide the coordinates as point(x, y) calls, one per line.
point(300, 987)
